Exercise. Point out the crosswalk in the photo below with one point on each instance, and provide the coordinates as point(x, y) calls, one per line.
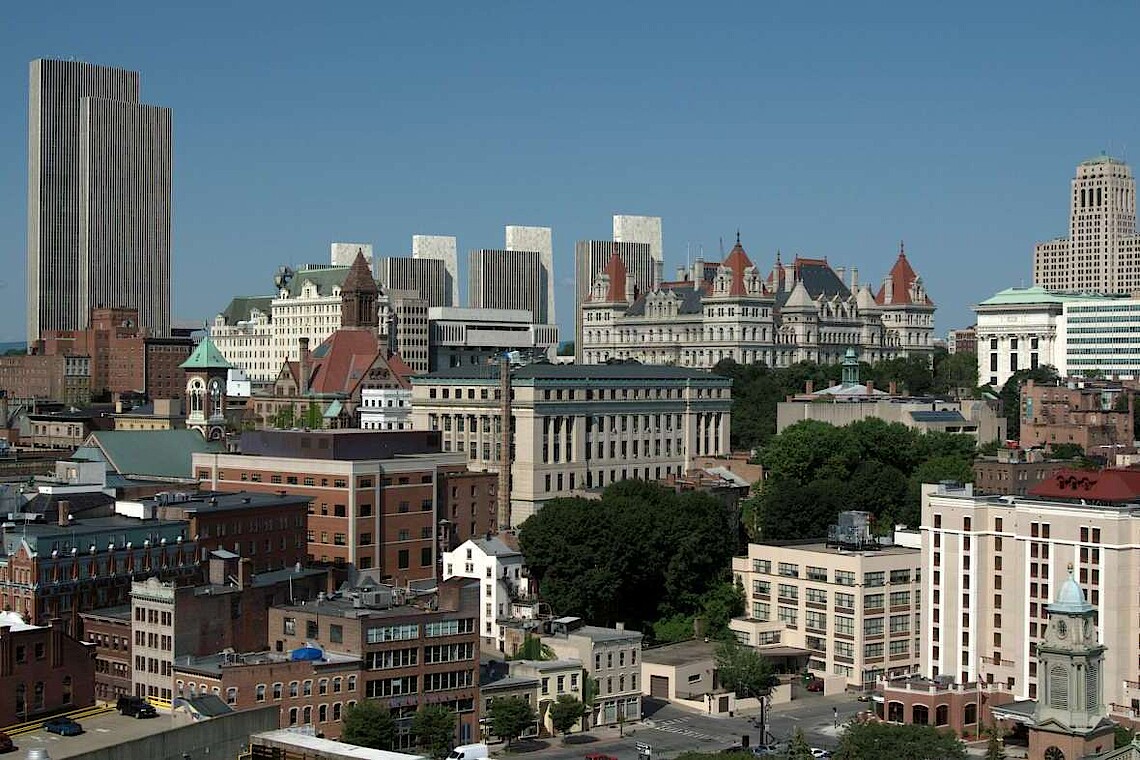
point(678, 726)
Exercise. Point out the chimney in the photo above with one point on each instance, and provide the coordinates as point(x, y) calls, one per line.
point(841, 272)
point(682, 275)
point(245, 573)
point(809, 387)
point(870, 387)
point(303, 366)
point(619, 626)
point(854, 277)
point(56, 655)
point(64, 508)
point(888, 289)
point(3, 409)
point(893, 388)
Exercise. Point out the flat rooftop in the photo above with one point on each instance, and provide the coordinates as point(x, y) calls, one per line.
point(217, 501)
point(681, 653)
point(574, 373)
point(118, 612)
point(212, 664)
point(820, 547)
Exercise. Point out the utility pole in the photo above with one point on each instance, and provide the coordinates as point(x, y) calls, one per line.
point(504, 495)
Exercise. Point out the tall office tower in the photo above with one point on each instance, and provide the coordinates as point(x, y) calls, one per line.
point(507, 280)
point(98, 198)
point(540, 240)
point(427, 277)
point(642, 229)
point(343, 254)
point(443, 248)
point(1102, 252)
point(590, 259)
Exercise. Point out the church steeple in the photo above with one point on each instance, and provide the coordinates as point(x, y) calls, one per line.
point(1070, 718)
point(359, 294)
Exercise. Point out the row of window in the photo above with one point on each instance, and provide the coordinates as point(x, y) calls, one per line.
point(841, 577)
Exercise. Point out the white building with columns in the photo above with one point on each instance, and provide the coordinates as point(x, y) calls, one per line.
point(577, 428)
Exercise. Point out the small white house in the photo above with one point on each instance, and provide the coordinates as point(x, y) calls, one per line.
point(386, 409)
point(504, 579)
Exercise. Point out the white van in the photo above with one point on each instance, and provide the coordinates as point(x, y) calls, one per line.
point(468, 752)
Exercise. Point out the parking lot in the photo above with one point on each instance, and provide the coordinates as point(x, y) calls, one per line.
point(98, 732)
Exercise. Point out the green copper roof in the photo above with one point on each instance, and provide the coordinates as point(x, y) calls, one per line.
point(206, 356)
point(1103, 158)
point(1036, 294)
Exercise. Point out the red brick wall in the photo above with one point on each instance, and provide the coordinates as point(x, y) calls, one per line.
point(44, 660)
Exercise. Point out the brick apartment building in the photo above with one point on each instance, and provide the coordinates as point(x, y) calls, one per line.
point(64, 565)
point(413, 653)
point(1013, 471)
point(375, 496)
point(267, 530)
point(228, 611)
point(42, 670)
point(1095, 415)
point(123, 355)
point(28, 377)
point(309, 692)
point(108, 630)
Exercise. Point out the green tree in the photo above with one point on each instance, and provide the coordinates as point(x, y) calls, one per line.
point(1122, 736)
point(789, 510)
point(434, 729)
point(285, 418)
point(369, 724)
point(743, 670)
point(511, 716)
point(954, 371)
point(872, 740)
point(810, 450)
point(532, 648)
point(566, 711)
point(676, 627)
point(798, 747)
point(1010, 395)
point(995, 749)
point(1066, 451)
point(722, 603)
point(313, 416)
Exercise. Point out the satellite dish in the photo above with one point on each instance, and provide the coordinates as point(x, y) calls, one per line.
point(283, 277)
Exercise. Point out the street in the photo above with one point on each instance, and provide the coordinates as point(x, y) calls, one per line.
point(671, 731)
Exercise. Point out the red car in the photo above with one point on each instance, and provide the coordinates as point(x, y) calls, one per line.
point(600, 756)
point(815, 684)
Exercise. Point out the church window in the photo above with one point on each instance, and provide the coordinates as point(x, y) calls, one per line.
point(1059, 687)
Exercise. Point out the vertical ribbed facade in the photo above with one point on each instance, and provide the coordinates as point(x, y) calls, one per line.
point(99, 172)
point(429, 277)
point(590, 259)
point(507, 280)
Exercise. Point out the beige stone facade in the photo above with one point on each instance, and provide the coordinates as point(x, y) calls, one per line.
point(612, 657)
point(991, 565)
point(857, 612)
point(577, 428)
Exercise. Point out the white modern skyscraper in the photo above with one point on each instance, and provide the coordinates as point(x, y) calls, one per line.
point(541, 241)
point(442, 248)
point(500, 279)
point(99, 178)
point(1102, 252)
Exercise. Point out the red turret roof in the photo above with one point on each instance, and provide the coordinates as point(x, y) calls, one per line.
point(615, 268)
point(737, 261)
point(902, 278)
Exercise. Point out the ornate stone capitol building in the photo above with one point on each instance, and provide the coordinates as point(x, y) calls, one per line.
point(803, 311)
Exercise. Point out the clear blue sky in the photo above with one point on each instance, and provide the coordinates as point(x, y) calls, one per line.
point(823, 129)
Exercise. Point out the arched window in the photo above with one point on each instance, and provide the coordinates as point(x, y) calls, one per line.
point(942, 715)
point(292, 716)
point(970, 714)
point(1054, 753)
point(259, 692)
point(308, 715)
point(920, 715)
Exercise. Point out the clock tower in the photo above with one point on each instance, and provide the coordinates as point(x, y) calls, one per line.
point(1070, 717)
point(205, 403)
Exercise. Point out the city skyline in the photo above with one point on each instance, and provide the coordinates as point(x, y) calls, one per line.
point(809, 138)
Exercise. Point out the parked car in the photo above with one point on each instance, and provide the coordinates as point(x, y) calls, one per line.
point(820, 753)
point(600, 756)
point(6, 744)
point(63, 726)
point(769, 750)
point(136, 707)
point(815, 684)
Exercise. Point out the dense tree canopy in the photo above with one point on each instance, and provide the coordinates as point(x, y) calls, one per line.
point(864, 741)
point(434, 729)
point(510, 717)
point(369, 723)
point(639, 554)
point(743, 669)
point(757, 389)
point(816, 470)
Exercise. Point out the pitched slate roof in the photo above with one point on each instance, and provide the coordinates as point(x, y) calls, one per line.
point(817, 277)
point(615, 268)
point(206, 356)
point(737, 261)
point(241, 307)
point(325, 279)
point(150, 453)
point(689, 294)
point(343, 360)
point(902, 278)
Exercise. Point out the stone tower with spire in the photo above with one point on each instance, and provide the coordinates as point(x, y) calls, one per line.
point(359, 296)
point(1070, 719)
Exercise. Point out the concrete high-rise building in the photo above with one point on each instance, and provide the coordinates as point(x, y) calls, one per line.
point(590, 259)
point(99, 178)
point(343, 254)
point(540, 240)
point(428, 279)
point(499, 279)
point(1102, 252)
point(642, 229)
point(443, 248)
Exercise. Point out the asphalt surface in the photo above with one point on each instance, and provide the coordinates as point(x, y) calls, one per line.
point(99, 732)
point(671, 731)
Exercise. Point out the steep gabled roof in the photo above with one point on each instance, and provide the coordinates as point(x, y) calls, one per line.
point(206, 356)
point(241, 307)
point(359, 278)
point(902, 279)
point(689, 296)
point(799, 298)
point(817, 276)
point(150, 453)
point(737, 262)
point(615, 269)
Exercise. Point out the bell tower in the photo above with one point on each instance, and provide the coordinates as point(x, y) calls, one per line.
point(206, 374)
point(1070, 716)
